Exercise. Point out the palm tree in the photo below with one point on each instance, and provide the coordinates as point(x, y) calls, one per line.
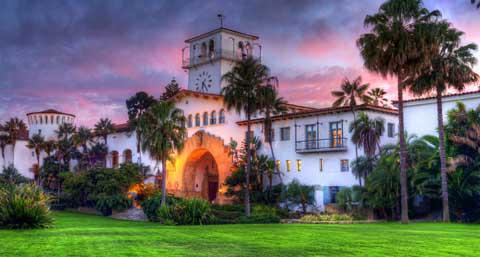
point(4, 141)
point(391, 50)
point(163, 134)
point(65, 131)
point(377, 96)
point(137, 105)
point(240, 93)
point(363, 166)
point(82, 138)
point(103, 128)
point(351, 93)
point(15, 127)
point(36, 143)
point(49, 147)
point(450, 66)
point(366, 133)
point(270, 104)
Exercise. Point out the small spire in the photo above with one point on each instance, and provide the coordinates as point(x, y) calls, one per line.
point(221, 17)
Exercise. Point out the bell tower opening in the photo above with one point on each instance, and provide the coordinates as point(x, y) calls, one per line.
point(201, 176)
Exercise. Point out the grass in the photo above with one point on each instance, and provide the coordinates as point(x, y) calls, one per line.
point(86, 235)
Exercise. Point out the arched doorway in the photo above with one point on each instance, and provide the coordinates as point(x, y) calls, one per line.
point(201, 168)
point(200, 176)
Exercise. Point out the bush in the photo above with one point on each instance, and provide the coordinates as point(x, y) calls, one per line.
point(344, 199)
point(193, 211)
point(107, 203)
point(151, 205)
point(24, 207)
point(11, 176)
point(326, 217)
point(299, 194)
point(259, 219)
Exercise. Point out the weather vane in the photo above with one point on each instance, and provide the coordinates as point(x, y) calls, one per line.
point(221, 17)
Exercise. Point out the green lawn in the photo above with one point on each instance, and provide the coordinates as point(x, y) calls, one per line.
point(86, 235)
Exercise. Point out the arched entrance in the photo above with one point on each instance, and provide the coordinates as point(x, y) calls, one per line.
point(200, 175)
point(201, 168)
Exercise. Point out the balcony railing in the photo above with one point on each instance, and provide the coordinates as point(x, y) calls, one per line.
point(212, 56)
point(321, 145)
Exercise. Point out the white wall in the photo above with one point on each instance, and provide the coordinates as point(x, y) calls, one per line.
point(421, 115)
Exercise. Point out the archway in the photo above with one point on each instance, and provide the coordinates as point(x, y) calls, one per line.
point(204, 161)
point(200, 175)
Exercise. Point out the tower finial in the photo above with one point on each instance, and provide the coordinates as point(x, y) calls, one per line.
point(221, 17)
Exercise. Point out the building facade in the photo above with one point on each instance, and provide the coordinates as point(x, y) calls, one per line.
point(310, 144)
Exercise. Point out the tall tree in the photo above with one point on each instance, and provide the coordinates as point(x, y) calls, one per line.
point(137, 105)
point(65, 131)
point(15, 128)
point(83, 138)
point(240, 93)
point(4, 141)
point(104, 127)
point(36, 143)
point(367, 132)
point(271, 104)
point(390, 49)
point(49, 147)
point(449, 67)
point(377, 96)
point(163, 134)
point(350, 94)
point(171, 89)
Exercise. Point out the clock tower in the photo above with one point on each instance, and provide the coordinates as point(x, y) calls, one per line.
point(210, 55)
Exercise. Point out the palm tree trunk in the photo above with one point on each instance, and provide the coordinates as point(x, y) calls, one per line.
point(38, 168)
point(403, 153)
point(248, 168)
point(443, 159)
point(164, 181)
point(356, 147)
point(3, 156)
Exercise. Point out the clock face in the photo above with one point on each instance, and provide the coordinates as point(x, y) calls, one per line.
point(203, 82)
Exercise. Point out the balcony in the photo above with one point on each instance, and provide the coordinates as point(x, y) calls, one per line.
point(321, 145)
point(211, 57)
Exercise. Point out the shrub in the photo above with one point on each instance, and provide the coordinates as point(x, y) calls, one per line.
point(299, 194)
point(259, 219)
point(151, 205)
point(10, 176)
point(344, 199)
point(107, 203)
point(193, 211)
point(326, 217)
point(24, 207)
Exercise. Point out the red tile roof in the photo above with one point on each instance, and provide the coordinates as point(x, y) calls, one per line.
point(325, 111)
point(51, 111)
point(444, 96)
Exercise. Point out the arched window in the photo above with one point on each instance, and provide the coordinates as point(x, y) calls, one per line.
point(35, 118)
point(51, 119)
point(46, 119)
point(203, 52)
point(197, 120)
point(63, 120)
point(221, 117)
point(213, 118)
point(58, 119)
point(127, 156)
point(205, 118)
point(114, 159)
point(41, 120)
point(241, 49)
point(248, 49)
point(189, 121)
point(211, 48)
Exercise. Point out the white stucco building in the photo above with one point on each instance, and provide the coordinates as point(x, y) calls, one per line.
point(310, 144)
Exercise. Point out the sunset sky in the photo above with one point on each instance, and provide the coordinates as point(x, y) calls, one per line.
point(88, 57)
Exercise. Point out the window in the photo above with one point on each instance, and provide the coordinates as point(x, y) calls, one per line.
point(272, 135)
point(41, 120)
point(391, 129)
point(127, 156)
point(58, 119)
point(311, 136)
point(336, 134)
point(51, 119)
point(213, 118)
point(285, 134)
point(277, 163)
point(333, 193)
point(289, 165)
point(321, 164)
point(197, 120)
point(114, 159)
point(343, 165)
point(205, 118)
point(299, 165)
point(211, 48)
point(46, 119)
point(190, 121)
point(221, 117)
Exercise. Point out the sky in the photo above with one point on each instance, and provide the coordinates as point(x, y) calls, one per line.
point(87, 57)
